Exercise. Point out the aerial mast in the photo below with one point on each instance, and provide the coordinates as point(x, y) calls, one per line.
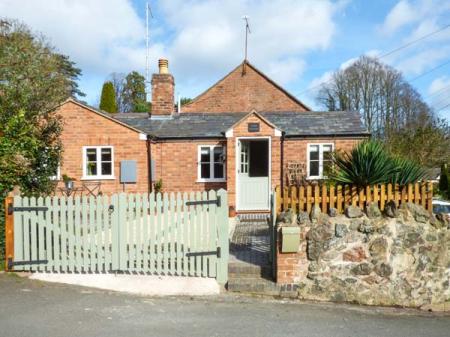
point(148, 14)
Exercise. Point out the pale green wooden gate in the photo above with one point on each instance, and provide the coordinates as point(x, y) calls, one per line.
point(161, 234)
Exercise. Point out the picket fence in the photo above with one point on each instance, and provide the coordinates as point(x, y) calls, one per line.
point(162, 234)
point(302, 198)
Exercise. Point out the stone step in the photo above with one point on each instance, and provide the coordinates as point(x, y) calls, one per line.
point(254, 286)
point(247, 270)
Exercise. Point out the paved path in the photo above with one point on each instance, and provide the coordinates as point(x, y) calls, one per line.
point(250, 242)
point(32, 308)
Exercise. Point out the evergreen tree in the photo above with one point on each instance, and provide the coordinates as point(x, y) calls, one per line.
point(134, 93)
point(443, 180)
point(108, 98)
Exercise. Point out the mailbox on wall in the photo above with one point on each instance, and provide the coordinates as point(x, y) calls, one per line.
point(128, 171)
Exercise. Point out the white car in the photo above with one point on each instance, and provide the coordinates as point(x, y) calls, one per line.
point(441, 206)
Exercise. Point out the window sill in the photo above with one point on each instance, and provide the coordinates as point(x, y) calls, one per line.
point(98, 178)
point(315, 178)
point(211, 181)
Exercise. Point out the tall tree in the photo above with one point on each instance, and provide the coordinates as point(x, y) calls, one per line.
point(386, 102)
point(392, 110)
point(108, 98)
point(34, 79)
point(118, 81)
point(134, 93)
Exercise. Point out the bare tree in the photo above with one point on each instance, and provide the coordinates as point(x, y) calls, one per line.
point(384, 99)
point(118, 81)
point(391, 109)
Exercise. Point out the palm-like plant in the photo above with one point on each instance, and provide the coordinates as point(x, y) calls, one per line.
point(369, 163)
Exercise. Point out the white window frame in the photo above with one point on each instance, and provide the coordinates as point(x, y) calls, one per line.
point(321, 146)
point(99, 151)
point(211, 164)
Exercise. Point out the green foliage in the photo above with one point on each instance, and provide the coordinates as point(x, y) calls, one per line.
point(108, 98)
point(427, 144)
point(134, 97)
point(185, 100)
point(158, 186)
point(34, 79)
point(443, 179)
point(369, 163)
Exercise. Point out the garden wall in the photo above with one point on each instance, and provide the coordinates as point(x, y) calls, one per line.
point(399, 258)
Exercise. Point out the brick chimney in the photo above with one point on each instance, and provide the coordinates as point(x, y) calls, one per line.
point(163, 86)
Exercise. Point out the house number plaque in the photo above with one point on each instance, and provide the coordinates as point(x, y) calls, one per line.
point(253, 127)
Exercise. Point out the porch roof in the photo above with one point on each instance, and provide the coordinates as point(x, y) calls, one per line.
point(214, 125)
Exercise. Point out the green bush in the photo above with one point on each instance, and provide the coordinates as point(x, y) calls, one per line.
point(108, 98)
point(369, 163)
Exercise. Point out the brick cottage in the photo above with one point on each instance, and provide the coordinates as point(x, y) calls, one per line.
point(245, 134)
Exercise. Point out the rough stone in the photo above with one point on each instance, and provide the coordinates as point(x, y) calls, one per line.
point(390, 209)
point(378, 248)
point(383, 261)
point(316, 213)
point(287, 218)
point(303, 218)
point(366, 227)
point(332, 212)
point(340, 230)
point(356, 254)
point(383, 270)
point(353, 212)
point(419, 213)
point(320, 233)
point(362, 269)
point(372, 210)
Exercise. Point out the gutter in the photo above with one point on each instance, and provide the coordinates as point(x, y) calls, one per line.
point(282, 162)
point(149, 163)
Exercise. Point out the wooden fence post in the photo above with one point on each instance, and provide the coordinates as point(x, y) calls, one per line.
point(9, 232)
point(430, 197)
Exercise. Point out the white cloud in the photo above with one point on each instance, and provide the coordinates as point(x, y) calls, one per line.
point(438, 96)
point(203, 39)
point(209, 35)
point(100, 36)
point(401, 14)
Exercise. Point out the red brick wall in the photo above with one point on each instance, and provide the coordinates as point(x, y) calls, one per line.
point(176, 165)
point(163, 86)
point(82, 127)
point(243, 93)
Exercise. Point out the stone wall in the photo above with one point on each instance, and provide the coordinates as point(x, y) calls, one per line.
point(400, 258)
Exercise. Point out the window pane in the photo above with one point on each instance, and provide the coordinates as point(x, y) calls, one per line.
point(106, 169)
point(314, 168)
point(326, 167)
point(218, 171)
point(205, 172)
point(91, 155)
point(106, 155)
point(205, 155)
point(92, 169)
point(314, 152)
point(218, 151)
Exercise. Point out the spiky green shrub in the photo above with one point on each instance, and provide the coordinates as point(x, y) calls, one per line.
point(369, 163)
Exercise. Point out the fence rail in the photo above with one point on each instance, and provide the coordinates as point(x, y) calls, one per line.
point(303, 198)
point(164, 234)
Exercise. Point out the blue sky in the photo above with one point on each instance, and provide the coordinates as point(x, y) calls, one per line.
point(297, 43)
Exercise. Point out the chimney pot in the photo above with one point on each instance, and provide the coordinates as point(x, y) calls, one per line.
point(163, 66)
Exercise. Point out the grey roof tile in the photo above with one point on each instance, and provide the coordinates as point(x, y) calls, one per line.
point(214, 125)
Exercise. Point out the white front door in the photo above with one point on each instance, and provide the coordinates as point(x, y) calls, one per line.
point(253, 157)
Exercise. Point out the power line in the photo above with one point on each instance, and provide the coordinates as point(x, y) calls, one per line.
point(445, 106)
point(387, 54)
point(429, 71)
point(414, 41)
